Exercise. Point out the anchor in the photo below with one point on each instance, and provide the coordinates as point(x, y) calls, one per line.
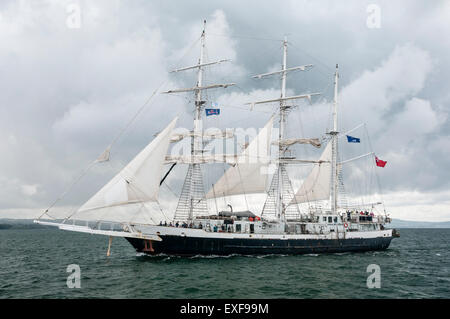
point(148, 246)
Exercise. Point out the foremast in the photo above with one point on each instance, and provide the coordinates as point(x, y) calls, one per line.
point(196, 144)
point(194, 178)
point(192, 200)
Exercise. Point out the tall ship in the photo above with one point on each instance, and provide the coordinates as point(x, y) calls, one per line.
point(311, 219)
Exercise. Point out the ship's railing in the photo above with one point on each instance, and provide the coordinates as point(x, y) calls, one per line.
point(366, 219)
point(98, 225)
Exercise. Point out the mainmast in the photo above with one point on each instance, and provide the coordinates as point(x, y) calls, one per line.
point(283, 93)
point(281, 192)
point(334, 149)
point(281, 148)
point(196, 144)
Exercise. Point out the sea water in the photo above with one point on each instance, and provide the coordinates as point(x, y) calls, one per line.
point(34, 264)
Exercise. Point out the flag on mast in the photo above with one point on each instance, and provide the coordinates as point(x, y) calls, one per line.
point(379, 162)
point(214, 110)
point(352, 139)
point(210, 112)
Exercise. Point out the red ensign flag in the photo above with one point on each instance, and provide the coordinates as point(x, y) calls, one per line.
point(379, 162)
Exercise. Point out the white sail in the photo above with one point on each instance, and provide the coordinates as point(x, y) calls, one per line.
point(138, 182)
point(317, 185)
point(250, 174)
point(204, 158)
point(291, 141)
point(148, 212)
point(208, 134)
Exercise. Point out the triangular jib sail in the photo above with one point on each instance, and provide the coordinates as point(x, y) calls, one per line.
point(138, 182)
point(317, 185)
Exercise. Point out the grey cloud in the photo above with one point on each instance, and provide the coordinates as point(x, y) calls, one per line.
point(67, 92)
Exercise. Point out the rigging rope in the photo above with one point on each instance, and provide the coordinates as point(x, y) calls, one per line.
point(132, 120)
point(245, 37)
point(83, 173)
point(243, 187)
point(376, 174)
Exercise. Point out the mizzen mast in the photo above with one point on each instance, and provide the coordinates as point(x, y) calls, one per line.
point(334, 148)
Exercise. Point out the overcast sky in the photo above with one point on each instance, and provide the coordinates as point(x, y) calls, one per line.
point(69, 85)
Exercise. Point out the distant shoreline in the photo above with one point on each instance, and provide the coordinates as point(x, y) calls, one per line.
point(12, 226)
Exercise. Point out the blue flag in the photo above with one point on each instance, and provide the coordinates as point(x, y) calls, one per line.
point(352, 139)
point(212, 112)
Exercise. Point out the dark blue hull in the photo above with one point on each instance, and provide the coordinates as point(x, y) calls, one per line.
point(191, 246)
